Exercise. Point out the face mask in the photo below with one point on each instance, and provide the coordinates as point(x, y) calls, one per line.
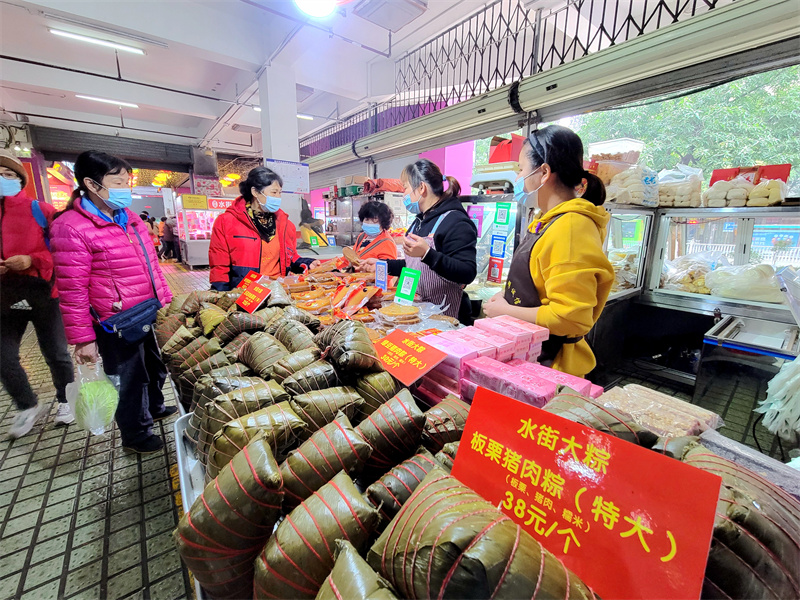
point(412, 207)
point(10, 187)
point(271, 204)
point(520, 195)
point(372, 229)
point(118, 198)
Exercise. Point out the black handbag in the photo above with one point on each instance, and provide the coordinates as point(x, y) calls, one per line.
point(133, 324)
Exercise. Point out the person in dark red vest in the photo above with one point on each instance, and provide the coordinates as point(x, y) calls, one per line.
point(28, 295)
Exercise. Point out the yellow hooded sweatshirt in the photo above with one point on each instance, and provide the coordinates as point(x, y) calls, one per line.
point(573, 277)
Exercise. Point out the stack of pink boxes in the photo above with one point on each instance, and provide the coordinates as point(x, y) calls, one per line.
point(499, 354)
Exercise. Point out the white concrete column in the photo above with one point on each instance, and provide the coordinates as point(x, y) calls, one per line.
point(279, 135)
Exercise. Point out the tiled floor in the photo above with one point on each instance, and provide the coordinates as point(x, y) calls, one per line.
point(79, 516)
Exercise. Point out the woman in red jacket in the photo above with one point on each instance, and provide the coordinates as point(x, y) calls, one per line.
point(106, 264)
point(28, 296)
point(254, 234)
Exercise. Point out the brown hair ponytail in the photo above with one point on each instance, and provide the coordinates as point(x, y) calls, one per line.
point(426, 171)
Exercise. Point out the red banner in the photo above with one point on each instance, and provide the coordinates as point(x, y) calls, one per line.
point(253, 297)
point(220, 203)
point(405, 357)
point(630, 522)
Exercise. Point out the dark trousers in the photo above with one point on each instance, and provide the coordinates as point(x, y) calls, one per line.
point(142, 374)
point(46, 318)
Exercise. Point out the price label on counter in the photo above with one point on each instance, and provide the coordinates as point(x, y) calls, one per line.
point(406, 359)
point(407, 286)
point(382, 274)
point(248, 279)
point(253, 296)
point(498, 248)
point(600, 504)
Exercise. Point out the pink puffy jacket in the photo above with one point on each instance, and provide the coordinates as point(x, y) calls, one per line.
point(97, 265)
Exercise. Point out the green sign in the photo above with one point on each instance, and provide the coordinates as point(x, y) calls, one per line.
point(314, 241)
point(407, 286)
point(502, 213)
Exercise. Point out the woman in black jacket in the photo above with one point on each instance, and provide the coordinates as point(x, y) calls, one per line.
point(440, 242)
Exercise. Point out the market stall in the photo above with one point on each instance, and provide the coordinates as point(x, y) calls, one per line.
point(195, 216)
point(324, 425)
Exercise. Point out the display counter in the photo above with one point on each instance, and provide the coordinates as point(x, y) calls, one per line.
point(194, 229)
point(627, 244)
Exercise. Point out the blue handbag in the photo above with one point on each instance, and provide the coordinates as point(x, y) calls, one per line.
point(133, 324)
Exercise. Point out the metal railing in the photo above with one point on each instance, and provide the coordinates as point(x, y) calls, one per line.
point(497, 46)
point(768, 255)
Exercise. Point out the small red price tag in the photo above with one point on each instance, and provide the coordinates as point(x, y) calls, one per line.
point(253, 296)
point(405, 357)
point(248, 279)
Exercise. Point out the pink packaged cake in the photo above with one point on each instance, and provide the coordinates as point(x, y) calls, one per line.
point(509, 381)
point(448, 371)
point(468, 389)
point(435, 389)
point(456, 352)
point(540, 334)
point(596, 391)
point(520, 337)
point(580, 385)
point(450, 384)
point(483, 347)
point(505, 346)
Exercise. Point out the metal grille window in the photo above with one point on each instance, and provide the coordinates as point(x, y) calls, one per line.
point(499, 45)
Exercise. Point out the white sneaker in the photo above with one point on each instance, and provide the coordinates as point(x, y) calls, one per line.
point(25, 421)
point(64, 415)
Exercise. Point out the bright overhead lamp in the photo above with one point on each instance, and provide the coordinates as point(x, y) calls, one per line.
point(108, 101)
point(305, 117)
point(257, 108)
point(316, 8)
point(97, 41)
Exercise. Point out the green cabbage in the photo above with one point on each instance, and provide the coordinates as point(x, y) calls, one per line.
point(95, 406)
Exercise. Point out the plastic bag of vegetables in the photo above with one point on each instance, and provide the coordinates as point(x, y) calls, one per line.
point(93, 398)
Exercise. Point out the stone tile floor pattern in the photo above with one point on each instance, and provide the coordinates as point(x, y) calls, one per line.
point(79, 516)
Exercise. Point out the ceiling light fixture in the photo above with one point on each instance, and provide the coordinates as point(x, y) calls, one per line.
point(107, 101)
point(316, 8)
point(257, 108)
point(17, 148)
point(305, 117)
point(97, 41)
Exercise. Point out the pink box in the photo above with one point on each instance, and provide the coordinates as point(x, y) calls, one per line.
point(483, 347)
point(448, 371)
point(596, 391)
point(580, 385)
point(456, 352)
point(448, 383)
point(522, 339)
point(468, 389)
point(540, 334)
point(435, 389)
point(509, 381)
point(505, 347)
point(426, 397)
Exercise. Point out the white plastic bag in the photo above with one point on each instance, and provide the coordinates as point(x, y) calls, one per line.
point(93, 399)
point(637, 185)
point(747, 282)
point(781, 407)
point(688, 273)
point(768, 192)
point(680, 187)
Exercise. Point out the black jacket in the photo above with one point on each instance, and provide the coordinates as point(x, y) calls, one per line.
point(456, 239)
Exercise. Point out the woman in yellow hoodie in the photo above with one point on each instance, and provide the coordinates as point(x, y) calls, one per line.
point(559, 277)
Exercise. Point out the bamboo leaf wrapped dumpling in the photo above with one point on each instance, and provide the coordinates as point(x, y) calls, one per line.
point(293, 362)
point(236, 323)
point(352, 578)
point(352, 349)
point(303, 316)
point(294, 335)
point(318, 408)
point(319, 375)
point(262, 351)
point(376, 389)
point(394, 431)
point(392, 490)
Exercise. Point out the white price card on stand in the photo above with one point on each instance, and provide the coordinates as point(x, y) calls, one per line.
point(295, 175)
point(382, 274)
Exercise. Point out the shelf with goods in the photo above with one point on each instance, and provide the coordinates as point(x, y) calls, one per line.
point(195, 220)
point(265, 411)
point(341, 215)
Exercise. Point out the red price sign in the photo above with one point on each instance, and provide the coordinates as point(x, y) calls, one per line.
point(253, 297)
point(405, 357)
point(248, 279)
point(630, 522)
point(220, 203)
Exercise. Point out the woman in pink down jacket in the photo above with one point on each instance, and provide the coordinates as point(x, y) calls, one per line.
point(101, 266)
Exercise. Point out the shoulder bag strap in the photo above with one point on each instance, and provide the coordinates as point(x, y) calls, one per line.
point(147, 260)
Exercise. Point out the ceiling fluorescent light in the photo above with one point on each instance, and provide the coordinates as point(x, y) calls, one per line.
point(97, 41)
point(107, 30)
point(316, 8)
point(108, 101)
point(305, 117)
point(257, 108)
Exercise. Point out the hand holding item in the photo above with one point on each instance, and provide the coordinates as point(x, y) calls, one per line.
point(314, 265)
point(3, 267)
point(21, 262)
point(415, 246)
point(496, 306)
point(366, 265)
point(86, 353)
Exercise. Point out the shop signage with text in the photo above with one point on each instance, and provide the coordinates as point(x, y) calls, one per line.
point(220, 203)
point(406, 359)
point(630, 522)
point(194, 201)
point(253, 297)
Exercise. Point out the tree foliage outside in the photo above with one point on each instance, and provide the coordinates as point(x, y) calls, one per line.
point(750, 121)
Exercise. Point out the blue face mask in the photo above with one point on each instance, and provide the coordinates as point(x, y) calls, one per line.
point(412, 207)
point(10, 187)
point(520, 195)
point(119, 198)
point(371, 229)
point(271, 204)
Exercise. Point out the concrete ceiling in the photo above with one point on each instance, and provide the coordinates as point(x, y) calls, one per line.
point(196, 82)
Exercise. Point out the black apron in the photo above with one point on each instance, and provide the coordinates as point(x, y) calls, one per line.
point(520, 291)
